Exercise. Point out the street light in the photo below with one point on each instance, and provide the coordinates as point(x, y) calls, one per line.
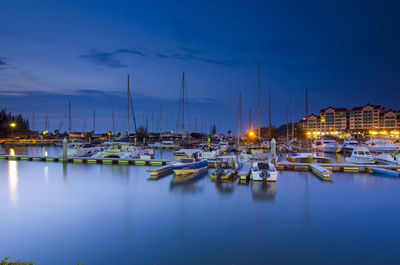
point(12, 129)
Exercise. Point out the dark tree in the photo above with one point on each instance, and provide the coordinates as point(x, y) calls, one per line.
point(21, 125)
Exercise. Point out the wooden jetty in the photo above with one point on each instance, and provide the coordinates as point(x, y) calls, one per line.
point(244, 172)
point(88, 160)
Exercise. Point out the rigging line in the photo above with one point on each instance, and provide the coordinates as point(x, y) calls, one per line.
point(62, 121)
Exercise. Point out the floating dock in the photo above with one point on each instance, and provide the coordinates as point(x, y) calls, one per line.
point(88, 160)
point(321, 172)
point(353, 168)
point(244, 172)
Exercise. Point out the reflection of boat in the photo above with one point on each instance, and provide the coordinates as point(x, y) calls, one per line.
point(263, 191)
point(327, 146)
point(225, 187)
point(386, 158)
point(360, 155)
point(379, 146)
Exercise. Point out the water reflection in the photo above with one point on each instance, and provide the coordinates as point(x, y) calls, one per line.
point(13, 181)
point(186, 183)
point(263, 191)
point(225, 187)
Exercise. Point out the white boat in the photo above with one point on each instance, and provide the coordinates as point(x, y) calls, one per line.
point(134, 152)
point(188, 162)
point(272, 173)
point(349, 145)
point(360, 155)
point(381, 146)
point(261, 171)
point(164, 145)
point(114, 150)
point(386, 158)
point(327, 146)
point(82, 149)
point(257, 174)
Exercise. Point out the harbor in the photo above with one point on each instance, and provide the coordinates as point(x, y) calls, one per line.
point(193, 133)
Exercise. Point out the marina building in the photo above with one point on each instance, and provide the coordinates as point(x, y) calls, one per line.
point(370, 119)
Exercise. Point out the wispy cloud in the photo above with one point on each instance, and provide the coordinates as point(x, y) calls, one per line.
point(111, 59)
point(108, 59)
point(3, 62)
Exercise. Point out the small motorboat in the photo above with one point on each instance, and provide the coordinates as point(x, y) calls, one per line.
point(264, 172)
point(379, 145)
point(386, 158)
point(327, 146)
point(188, 162)
point(349, 145)
point(360, 155)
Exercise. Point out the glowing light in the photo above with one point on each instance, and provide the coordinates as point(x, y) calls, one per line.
point(12, 152)
point(12, 124)
point(251, 133)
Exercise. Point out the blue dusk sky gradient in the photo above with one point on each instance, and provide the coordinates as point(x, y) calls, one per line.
point(346, 52)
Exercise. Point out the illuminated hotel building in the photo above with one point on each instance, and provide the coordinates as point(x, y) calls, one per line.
point(368, 118)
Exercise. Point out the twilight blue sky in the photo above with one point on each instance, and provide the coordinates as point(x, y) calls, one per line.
point(346, 52)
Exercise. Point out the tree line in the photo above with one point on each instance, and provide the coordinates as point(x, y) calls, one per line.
point(7, 118)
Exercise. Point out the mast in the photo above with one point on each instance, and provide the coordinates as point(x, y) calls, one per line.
point(292, 114)
point(94, 120)
point(33, 121)
point(46, 122)
point(69, 117)
point(129, 92)
point(287, 126)
point(152, 121)
point(259, 107)
point(183, 103)
point(239, 129)
point(195, 124)
point(269, 112)
point(77, 121)
point(306, 109)
point(161, 123)
point(113, 124)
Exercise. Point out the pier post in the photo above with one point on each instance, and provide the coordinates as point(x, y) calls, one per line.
point(273, 149)
point(64, 149)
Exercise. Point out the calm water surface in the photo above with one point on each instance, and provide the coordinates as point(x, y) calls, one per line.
point(111, 214)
